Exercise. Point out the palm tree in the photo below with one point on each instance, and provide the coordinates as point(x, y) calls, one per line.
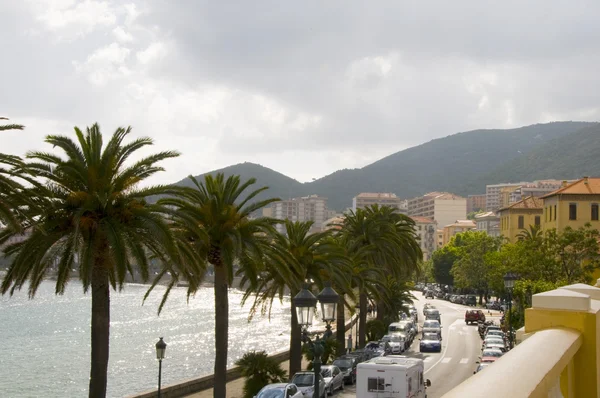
point(533, 233)
point(95, 218)
point(380, 239)
point(10, 126)
point(216, 219)
point(10, 188)
point(292, 259)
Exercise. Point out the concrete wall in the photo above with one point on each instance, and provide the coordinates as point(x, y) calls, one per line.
point(191, 386)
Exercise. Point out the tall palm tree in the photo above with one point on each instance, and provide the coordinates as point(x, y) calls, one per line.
point(293, 258)
point(381, 240)
point(533, 233)
point(5, 127)
point(215, 216)
point(10, 187)
point(96, 218)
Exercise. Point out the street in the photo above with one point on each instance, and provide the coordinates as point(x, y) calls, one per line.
point(461, 347)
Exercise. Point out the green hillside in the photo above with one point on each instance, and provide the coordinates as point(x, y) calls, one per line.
point(568, 157)
point(462, 163)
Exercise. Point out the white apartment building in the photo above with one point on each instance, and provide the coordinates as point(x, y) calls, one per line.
point(426, 229)
point(306, 208)
point(443, 207)
point(365, 199)
point(502, 195)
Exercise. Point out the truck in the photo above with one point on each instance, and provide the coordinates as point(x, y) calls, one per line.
point(392, 376)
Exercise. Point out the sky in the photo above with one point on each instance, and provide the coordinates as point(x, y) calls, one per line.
point(305, 87)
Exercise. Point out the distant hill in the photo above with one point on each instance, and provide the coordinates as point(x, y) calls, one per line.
point(462, 163)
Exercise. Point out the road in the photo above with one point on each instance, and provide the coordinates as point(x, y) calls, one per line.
point(461, 347)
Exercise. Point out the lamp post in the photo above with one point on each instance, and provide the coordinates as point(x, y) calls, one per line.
point(305, 303)
point(161, 346)
point(509, 284)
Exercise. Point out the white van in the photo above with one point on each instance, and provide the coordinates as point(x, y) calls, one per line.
point(393, 376)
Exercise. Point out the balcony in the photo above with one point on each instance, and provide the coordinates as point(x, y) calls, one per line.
point(558, 354)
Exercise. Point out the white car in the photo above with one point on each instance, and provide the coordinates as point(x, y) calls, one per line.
point(334, 378)
point(396, 341)
point(306, 384)
point(279, 390)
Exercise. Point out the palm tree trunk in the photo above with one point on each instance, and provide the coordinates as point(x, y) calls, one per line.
point(340, 329)
point(380, 311)
point(295, 342)
point(362, 326)
point(100, 330)
point(221, 331)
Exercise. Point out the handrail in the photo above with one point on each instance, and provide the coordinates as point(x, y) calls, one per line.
point(530, 369)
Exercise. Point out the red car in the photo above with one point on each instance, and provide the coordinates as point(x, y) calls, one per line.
point(474, 316)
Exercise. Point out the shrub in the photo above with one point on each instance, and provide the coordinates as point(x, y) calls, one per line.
point(259, 370)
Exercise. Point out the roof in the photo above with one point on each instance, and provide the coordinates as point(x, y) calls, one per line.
point(583, 186)
point(422, 220)
point(484, 215)
point(530, 202)
point(376, 195)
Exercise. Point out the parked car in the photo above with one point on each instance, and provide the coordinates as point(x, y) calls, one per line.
point(430, 342)
point(396, 341)
point(348, 367)
point(471, 300)
point(277, 390)
point(306, 384)
point(360, 355)
point(334, 378)
point(482, 366)
point(474, 316)
point(490, 354)
point(429, 294)
point(374, 349)
point(404, 330)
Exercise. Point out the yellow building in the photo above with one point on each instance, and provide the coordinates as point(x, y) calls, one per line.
point(519, 216)
point(456, 228)
point(573, 205)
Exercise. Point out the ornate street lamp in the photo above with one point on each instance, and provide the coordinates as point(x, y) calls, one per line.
point(161, 347)
point(305, 303)
point(509, 283)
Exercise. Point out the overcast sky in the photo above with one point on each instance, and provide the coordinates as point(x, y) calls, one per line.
point(302, 87)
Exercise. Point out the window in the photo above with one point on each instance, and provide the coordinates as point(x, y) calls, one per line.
point(572, 211)
point(546, 213)
point(521, 222)
point(594, 212)
point(375, 384)
point(537, 220)
point(554, 212)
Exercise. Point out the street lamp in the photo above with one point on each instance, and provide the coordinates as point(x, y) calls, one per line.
point(161, 347)
point(305, 303)
point(509, 284)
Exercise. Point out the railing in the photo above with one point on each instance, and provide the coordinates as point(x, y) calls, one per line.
point(531, 369)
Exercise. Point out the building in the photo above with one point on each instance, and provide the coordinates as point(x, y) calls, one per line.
point(443, 207)
point(456, 228)
point(475, 203)
point(573, 205)
point(333, 223)
point(493, 194)
point(306, 208)
point(365, 199)
point(439, 238)
point(488, 222)
point(503, 195)
point(519, 216)
point(426, 231)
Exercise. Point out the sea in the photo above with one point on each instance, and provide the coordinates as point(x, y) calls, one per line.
point(45, 341)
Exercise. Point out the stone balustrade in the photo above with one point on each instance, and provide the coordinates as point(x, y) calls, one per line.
point(559, 355)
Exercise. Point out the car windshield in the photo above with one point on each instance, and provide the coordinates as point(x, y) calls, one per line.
point(395, 339)
point(303, 380)
point(491, 353)
point(431, 324)
point(271, 393)
point(326, 372)
point(492, 340)
point(433, 312)
point(343, 364)
point(397, 328)
point(430, 336)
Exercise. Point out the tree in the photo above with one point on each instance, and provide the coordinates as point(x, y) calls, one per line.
point(259, 370)
point(379, 240)
point(576, 252)
point(5, 127)
point(96, 218)
point(215, 218)
point(442, 261)
point(291, 259)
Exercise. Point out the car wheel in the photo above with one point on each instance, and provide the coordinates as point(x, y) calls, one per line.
point(342, 387)
point(330, 392)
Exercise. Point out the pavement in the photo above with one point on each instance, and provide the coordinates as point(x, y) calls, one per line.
point(461, 347)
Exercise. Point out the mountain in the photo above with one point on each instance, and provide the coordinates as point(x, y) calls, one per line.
point(461, 163)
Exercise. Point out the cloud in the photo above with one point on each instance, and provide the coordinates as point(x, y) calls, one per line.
point(305, 88)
